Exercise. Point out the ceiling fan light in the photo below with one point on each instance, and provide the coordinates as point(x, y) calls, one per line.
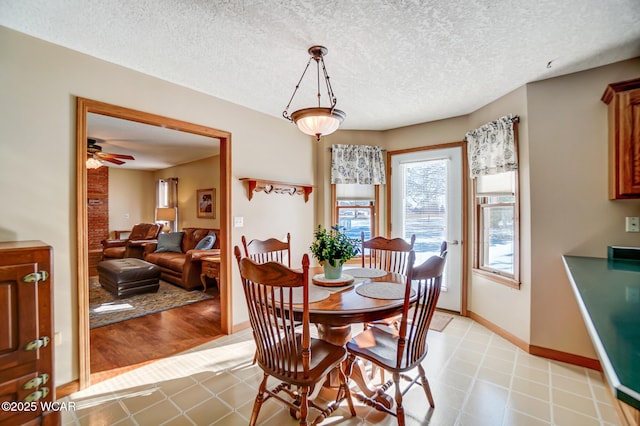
point(92, 163)
point(318, 121)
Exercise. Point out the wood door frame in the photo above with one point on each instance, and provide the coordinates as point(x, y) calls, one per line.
point(465, 209)
point(85, 106)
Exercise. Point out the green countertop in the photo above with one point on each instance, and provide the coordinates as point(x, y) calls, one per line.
point(608, 292)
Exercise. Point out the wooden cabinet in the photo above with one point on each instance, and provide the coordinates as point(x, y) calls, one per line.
point(623, 99)
point(26, 334)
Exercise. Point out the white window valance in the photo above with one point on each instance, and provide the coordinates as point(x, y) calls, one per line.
point(362, 164)
point(492, 147)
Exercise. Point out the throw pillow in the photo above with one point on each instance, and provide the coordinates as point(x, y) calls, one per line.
point(206, 243)
point(171, 241)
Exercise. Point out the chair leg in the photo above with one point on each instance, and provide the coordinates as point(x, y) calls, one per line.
point(304, 405)
point(399, 407)
point(259, 400)
point(425, 385)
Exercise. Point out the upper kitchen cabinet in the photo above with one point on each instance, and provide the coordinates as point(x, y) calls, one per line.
point(623, 99)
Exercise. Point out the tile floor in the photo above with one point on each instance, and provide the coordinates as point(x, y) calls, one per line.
point(477, 378)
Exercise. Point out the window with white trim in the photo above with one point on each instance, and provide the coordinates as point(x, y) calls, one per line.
point(497, 227)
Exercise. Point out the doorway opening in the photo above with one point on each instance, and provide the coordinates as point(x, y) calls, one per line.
point(86, 107)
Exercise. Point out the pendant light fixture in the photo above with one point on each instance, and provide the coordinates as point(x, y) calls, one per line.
point(317, 121)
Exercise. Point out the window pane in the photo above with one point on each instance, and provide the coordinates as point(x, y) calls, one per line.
point(356, 216)
point(498, 238)
point(425, 205)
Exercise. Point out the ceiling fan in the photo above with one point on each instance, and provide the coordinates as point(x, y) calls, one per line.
point(95, 151)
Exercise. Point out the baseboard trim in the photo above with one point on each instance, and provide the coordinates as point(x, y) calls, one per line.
point(553, 354)
point(67, 389)
point(241, 326)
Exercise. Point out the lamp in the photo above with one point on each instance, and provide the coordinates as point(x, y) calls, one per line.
point(316, 121)
point(166, 214)
point(92, 163)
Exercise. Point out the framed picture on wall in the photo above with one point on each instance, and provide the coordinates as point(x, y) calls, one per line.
point(206, 199)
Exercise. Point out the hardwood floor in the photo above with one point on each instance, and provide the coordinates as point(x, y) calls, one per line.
point(122, 346)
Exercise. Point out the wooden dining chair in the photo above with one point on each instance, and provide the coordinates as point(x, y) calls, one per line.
point(270, 250)
point(403, 350)
point(390, 255)
point(285, 353)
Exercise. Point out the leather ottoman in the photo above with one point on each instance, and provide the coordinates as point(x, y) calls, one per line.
point(126, 277)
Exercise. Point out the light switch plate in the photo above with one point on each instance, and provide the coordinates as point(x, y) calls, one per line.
point(632, 224)
point(238, 221)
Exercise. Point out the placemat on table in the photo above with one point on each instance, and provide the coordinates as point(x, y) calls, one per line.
point(383, 290)
point(315, 295)
point(366, 272)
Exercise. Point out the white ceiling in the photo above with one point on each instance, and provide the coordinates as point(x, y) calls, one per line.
point(392, 63)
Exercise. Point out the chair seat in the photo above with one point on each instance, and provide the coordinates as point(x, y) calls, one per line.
point(324, 358)
point(380, 346)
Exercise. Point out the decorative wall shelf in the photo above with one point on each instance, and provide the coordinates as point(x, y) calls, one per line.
point(269, 186)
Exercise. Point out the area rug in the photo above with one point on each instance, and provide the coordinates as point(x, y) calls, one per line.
point(439, 321)
point(105, 308)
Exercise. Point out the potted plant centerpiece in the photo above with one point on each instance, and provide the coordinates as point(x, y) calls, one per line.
point(331, 247)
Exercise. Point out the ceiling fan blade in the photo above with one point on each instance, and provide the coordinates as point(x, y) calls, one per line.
point(109, 155)
point(112, 160)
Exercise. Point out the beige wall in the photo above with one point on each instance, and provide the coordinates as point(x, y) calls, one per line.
point(192, 176)
point(131, 198)
point(570, 211)
point(39, 83)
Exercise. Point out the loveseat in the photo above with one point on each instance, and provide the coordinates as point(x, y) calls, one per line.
point(182, 267)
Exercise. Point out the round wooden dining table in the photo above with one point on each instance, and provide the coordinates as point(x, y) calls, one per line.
point(335, 315)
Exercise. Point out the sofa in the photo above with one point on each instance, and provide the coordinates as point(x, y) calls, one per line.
point(181, 264)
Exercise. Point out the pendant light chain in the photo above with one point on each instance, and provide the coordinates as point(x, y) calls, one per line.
point(285, 113)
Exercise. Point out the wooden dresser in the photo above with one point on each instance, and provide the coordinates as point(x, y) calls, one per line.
point(26, 334)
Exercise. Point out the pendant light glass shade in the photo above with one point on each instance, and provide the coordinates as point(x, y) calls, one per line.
point(317, 121)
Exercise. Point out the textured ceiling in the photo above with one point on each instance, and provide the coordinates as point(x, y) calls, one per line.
point(391, 63)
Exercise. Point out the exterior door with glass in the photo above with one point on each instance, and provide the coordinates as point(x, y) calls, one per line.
point(426, 200)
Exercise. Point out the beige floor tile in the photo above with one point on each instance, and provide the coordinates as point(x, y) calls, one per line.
point(532, 361)
point(531, 406)
point(208, 412)
point(533, 374)
point(233, 419)
point(579, 387)
point(532, 389)
point(567, 370)
point(515, 418)
point(178, 421)
point(107, 414)
point(220, 382)
point(156, 414)
point(574, 402)
point(486, 401)
point(238, 395)
point(565, 417)
point(608, 413)
point(193, 395)
point(495, 377)
point(171, 387)
point(497, 363)
point(141, 402)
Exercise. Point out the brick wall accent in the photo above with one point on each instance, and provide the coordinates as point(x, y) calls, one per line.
point(97, 213)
